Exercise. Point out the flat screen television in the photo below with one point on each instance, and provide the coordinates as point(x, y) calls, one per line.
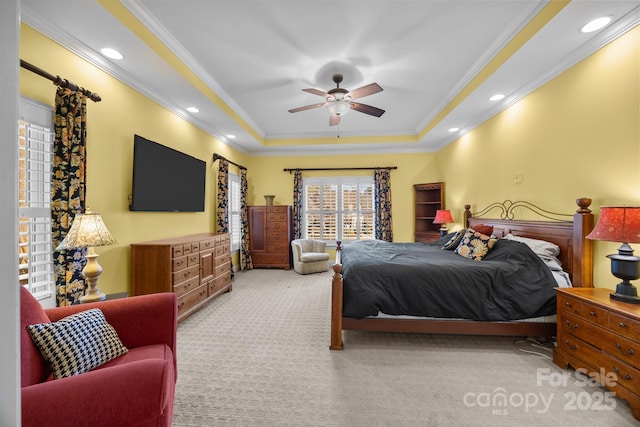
point(166, 180)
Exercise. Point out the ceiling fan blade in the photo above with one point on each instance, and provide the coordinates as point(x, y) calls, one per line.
point(307, 107)
point(365, 91)
point(367, 109)
point(334, 120)
point(315, 92)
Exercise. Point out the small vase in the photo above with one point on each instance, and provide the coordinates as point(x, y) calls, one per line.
point(268, 198)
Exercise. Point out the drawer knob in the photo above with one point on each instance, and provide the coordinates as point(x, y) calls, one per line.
point(592, 313)
point(630, 352)
point(571, 347)
point(622, 325)
point(568, 304)
point(569, 325)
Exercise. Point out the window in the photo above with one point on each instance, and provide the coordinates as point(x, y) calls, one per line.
point(338, 208)
point(234, 210)
point(35, 162)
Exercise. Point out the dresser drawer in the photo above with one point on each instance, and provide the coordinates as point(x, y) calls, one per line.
point(219, 283)
point(270, 259)
point(179, 263)
point(596, 361)
point(207, 244)
point(222, 269)
point(177, 251)
point(277, 226)
point(624, 349)
point(278, 237)
point(186, 286)
point(186, 274)
point(624, 325)
point(569, 304)
point(222, 259)
point(191, 299)
point(595, 314)
point(616, 345)
point(193, 259)
point(278, 248)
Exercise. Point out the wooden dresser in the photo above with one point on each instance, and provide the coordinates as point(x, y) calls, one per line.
point(601, 336)
point(270, 236)
point(196, 267)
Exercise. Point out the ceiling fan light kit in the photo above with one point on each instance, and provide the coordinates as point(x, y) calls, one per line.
point(338, 101)
point(338, 107)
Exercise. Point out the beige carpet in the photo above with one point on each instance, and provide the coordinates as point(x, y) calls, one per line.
point(259, 356)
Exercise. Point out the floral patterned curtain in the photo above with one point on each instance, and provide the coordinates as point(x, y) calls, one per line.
point(68, 191)
point(222, 212)
point(245, 254)
point(297, 204)
point(382, 201)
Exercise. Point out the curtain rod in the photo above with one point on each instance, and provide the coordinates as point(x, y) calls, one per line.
point(59, 81)
point(217, 156)
point(336, 169)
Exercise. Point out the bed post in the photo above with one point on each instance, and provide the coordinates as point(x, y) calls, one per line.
point(582, 257)
point(336, 301)
point(467, 215)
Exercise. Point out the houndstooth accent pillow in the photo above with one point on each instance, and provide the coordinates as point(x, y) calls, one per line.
point(77, 343)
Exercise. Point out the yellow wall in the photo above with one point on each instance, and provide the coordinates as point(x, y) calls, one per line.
point(112, 123)
point(577, 136)
point(266, 176)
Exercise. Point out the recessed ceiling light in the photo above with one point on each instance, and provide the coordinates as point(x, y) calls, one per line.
point(193, 110)
point(454, 130)
point(595, 24)
point(230, 136)
point(111, 53)
point(496, 97)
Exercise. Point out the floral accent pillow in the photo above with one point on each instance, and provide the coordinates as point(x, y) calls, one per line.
point(475, 245)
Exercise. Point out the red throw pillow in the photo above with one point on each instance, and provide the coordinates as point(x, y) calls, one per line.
point(487, 230)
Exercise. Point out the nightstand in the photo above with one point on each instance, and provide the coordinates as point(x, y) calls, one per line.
point(602, 336)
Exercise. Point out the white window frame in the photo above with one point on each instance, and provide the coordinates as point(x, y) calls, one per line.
point(35, 258)
point(340, 182)
point(233, 203)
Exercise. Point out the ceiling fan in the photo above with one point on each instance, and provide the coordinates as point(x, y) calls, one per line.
point(339, 100)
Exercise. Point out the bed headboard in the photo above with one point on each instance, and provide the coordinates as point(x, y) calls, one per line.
point(568, 231)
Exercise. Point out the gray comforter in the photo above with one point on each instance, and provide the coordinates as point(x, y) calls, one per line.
point(420, 279)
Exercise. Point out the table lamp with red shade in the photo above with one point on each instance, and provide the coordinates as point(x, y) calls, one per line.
point(621, 224)
point(443, 216)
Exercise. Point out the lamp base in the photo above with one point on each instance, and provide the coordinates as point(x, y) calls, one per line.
point(626, 292)
point(97, 296)
point(443, 231)
point(92, 271)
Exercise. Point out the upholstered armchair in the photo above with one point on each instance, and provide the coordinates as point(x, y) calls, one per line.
point(135, 388)
point(309, 256)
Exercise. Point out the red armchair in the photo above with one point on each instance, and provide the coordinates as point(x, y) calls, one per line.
point(136, 388)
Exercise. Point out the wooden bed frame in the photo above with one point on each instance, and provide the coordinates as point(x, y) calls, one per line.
point(576, 255)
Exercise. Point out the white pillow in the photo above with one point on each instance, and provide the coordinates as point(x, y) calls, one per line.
point(540, 247)
point(546, 251)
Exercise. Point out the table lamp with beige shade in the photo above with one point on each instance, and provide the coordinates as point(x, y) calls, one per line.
point(88, 230)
